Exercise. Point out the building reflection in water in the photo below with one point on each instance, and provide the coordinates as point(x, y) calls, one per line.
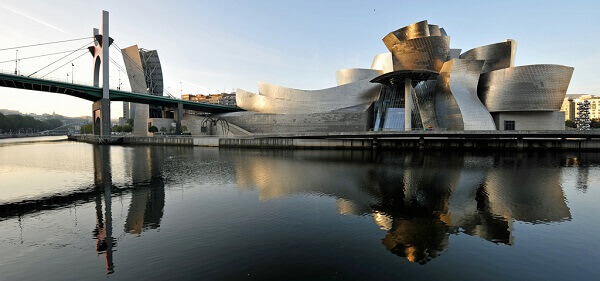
point(147, 197)
point(418, 198)
point(148, 194)
point(583, 170)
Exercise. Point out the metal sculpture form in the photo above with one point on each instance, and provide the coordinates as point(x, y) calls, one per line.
point(214, 122)
point(424, 84)
point(583, 119)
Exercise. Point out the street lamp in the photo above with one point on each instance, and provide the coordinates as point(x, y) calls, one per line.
point(72, 67)
point(16, 61)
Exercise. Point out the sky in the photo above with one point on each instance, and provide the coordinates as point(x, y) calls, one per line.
point(206, 47)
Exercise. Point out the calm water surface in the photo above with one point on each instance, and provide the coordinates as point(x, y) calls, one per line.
point(73, 211)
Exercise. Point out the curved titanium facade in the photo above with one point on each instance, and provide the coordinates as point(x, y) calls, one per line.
point(413, 31)
point(434, 30)
point(383, 62)
point(349, 75)
point(458, 80)
point(496, 56)
point(425, 101)
point(137, 81)
point(281, 100)
point(421, 53)
point(539, 87)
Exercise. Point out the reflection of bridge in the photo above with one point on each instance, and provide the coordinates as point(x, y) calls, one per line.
point(145, 209)
point(417, 198)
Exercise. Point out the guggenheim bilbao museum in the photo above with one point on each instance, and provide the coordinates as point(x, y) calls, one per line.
point(420, 84)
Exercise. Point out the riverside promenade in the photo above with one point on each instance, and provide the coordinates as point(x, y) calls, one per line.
point(477, 140)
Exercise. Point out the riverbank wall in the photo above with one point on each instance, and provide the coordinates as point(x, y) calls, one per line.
point(484, 140)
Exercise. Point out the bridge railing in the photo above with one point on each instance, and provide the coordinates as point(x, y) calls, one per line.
point(50, 78)
point(67, 81)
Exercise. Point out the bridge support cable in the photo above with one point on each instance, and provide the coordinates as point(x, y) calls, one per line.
point(122, 69)
point(47, 43)
point(81, 48)
point(38, 56)
point(63, 65)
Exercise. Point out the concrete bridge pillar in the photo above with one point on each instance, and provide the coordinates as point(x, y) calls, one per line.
point(100, 52)
point(178, 117)
point(101, 116)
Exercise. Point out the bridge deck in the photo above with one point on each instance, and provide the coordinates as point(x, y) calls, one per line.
point(92, 93)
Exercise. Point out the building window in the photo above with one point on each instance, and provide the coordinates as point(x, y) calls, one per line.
point(509, 125)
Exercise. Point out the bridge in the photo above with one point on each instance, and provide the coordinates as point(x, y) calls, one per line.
point(101, 96)
point(94, 94)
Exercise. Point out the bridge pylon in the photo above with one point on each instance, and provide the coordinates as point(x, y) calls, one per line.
point(100, 53)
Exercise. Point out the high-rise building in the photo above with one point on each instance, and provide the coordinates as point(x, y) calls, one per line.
point(126, 112)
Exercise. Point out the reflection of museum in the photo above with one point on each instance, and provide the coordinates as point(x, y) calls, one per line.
point(419, 199)
point(420, 84)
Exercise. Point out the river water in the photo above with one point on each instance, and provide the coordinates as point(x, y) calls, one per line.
point(74, 211)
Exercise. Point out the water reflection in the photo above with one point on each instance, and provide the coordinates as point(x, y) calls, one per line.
point(419, 199)
point(147, 198)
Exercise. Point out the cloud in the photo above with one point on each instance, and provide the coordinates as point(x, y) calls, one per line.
point(34, 19)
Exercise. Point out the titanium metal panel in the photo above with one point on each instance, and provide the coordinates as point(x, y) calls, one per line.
point(425, 101)
point(458, 78)
point(137, 81)
point(454, 54)
point(496, 56)
point(349, 75)
point(383, 62)
point(135, 73)
point(540, 87)
point(413, 31)
point(421, 53)
point(358, 95)
point(434, 30)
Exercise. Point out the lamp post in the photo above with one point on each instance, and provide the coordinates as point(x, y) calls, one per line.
point(16, 61)
point(72, 72)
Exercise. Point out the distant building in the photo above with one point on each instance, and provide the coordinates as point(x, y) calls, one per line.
point(569, 106)
point(227, 99)
point(126, 112)
point(222, 98)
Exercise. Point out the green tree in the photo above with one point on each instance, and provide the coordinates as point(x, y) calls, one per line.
point(163, 129)
point(153, 129)
point(129, 122)
point(26, 123)
point(117, 128)
point(53, 123)
point(127, 128)
point(86, 129)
